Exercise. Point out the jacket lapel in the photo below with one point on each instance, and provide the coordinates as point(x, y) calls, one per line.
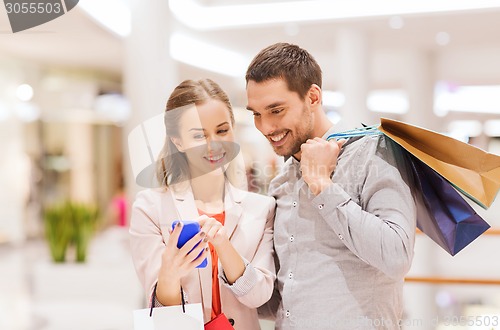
point(187, 210)
point(233, 209)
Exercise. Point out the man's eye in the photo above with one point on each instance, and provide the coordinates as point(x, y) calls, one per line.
point(256, 114)
point(276, 111)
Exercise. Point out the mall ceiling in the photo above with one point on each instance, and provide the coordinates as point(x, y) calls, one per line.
point(75, 40)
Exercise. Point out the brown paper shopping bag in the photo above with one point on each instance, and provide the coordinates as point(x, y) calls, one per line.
point(474, 172)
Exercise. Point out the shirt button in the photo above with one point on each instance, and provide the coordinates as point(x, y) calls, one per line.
point(320, 206)
point(294, 203)
point(291, 238)
point(290, 275)
point(287, 313)
point(340, 236)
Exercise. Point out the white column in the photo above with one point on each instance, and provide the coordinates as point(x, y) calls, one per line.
point(80, 150)
point(149, 73)
point(353, 55)
point(419, 83)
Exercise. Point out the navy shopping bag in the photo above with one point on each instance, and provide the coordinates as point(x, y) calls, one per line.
point(447, 218)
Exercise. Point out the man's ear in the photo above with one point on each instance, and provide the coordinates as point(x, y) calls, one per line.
point(177, 142)
point(314, 95)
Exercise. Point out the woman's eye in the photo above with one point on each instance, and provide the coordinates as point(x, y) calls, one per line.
point(222, 131)
point(199, 136)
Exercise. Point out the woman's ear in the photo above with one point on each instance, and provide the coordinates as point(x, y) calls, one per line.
point(177, 142)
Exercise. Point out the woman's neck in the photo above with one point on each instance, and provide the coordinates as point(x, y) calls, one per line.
point(208, 192)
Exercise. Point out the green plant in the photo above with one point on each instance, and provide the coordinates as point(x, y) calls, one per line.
point(58, 230)
point(70, 223)
point(85, 221)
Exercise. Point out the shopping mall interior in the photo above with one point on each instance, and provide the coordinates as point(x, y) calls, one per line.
point(72, 90)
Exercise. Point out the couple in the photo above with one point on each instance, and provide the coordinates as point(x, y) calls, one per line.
point(338, 226)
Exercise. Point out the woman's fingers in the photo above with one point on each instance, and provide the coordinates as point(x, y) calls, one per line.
point(199, 238)
point(196, 253)
point(174, 235)
point(213, 230)
point(199, 259)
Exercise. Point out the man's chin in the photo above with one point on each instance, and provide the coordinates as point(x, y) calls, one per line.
point(280, 151)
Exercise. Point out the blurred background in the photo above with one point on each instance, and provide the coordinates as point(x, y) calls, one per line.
point(72, 89)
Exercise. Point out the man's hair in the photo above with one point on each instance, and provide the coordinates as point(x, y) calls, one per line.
point(288, 62)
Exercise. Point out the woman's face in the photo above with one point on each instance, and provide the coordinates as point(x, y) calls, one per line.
point(206, 137)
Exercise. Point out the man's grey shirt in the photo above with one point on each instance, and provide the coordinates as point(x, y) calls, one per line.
point(343, 254)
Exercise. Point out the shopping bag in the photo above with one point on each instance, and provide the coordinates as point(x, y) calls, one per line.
point(474, 172)
point(442, 213)
point(170, 317)
point(220, 322)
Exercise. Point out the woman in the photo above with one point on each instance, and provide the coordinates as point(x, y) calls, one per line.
point(236, 226)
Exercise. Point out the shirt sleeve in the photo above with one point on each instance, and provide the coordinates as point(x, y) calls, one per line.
point(379, 225)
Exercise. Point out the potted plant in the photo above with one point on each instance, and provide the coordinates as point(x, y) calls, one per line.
point(85, 221)
point(67, 224)
point(58, 230)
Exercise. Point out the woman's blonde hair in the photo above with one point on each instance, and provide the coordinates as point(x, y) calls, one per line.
point(173, 165)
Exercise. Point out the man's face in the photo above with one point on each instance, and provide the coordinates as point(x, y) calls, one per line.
point(284, 119)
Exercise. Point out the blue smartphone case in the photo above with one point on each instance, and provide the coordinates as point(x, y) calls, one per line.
point(189, 229)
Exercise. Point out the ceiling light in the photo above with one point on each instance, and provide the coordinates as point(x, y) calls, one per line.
point(333, 99)
point(24, 92)
point(476, 99)
point(442, 38)
point(27, 112)
point(468, 128)
point(112, 14)
point(195, 15)
point(388, 100)
point(492, 127)
point(396, 22)
point(207, 56)
point(4, 112)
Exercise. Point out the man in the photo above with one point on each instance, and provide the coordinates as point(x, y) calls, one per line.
point(345, 218)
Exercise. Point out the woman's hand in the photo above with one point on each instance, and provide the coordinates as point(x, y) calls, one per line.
point(232, 263)
point(214, 230)
point(177, 263)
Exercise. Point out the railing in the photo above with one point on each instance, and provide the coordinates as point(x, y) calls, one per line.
point(455, 280)
point(451, 280)
point(489, 232)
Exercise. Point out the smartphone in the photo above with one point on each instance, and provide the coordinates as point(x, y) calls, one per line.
point(189, 230)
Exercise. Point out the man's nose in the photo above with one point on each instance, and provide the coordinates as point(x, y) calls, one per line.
point(267, 126)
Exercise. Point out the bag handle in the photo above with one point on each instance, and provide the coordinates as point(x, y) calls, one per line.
point(362, 131)
point(154, 296)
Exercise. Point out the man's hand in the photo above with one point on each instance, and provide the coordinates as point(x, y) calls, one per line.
point(318, 161)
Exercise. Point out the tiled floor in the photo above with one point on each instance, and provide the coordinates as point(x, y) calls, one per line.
point(36, 294)
point(100, 294)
